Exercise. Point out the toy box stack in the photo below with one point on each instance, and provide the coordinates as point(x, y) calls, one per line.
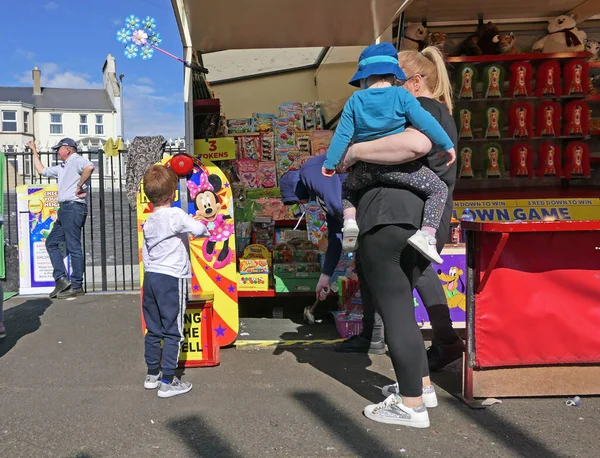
point(296, 266)
point(255, 266)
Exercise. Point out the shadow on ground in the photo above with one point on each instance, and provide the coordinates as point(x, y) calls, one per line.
point(200, 438)
point(21, 320)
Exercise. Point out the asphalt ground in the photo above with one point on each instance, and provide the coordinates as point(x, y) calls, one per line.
point(71, 375)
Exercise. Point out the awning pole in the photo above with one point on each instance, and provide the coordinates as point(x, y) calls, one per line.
point(188, 96)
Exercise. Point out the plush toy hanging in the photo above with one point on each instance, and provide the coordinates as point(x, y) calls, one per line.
point(548, 119)
point(521, 161)
point(520, 80)
point(520, 120)
point(493, 160)
point(464, 124)
point(548, 79)
point(414, 37)
point(577, 163)
point(493, 80)
point(593, 48)
point(141, 39)
point(493, 117)
point(438, 40)
point(549, 161)
point(508, 44)
point(466, 163)
point(483, 42)
point(575, 77)
point(467, 77)
point(576, 119)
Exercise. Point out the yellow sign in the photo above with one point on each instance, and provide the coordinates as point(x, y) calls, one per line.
point(191, 347)
point(577, 209)
point(215, 149)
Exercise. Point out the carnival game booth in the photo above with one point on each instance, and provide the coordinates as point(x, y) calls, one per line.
point(528, 146)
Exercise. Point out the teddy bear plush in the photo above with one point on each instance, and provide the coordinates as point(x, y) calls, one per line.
point(483, 42)
point(593, 48)
point(563, 36)
point(414, 37)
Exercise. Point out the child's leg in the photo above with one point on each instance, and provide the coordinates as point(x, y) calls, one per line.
point(414, 176)
point(152, 320)
point(350, 231)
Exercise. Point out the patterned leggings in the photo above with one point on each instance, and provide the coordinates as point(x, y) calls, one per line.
point(413, 176)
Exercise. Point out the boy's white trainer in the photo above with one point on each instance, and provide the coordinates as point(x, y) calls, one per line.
point(426, 245)
point(350, 235)
point(152, 381)
point(393, 412)
point(429, 396)
point(176, 387)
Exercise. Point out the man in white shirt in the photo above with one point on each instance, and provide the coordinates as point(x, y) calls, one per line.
point(73, 177)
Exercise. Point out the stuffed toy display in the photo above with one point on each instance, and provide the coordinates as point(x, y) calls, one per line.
point(575, 77)
point(493, 160)
point(548, 119)
point(563, 36)
point(520, 120)
point(483, 42)
point(466, 163)
point(593, 48)
point(414, 37)
point(467, 75)
point(507, 44)
point(576, 119)
point(521, 161)
point(438, 40)
point(464, 124)
point(493, 81)
point(549, 161)
point(577, 162)
point(519, 85)
point(548, 79)
point(492, 129)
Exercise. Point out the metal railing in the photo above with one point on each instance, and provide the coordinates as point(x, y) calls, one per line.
point(110, 235)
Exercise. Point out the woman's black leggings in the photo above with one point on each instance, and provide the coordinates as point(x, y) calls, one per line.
point(391, 268)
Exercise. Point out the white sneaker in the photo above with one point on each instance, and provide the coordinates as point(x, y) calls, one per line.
point(350, 233)
point(152, 381)
point(429, 396)
point(426, 245)
point(393, 412)
point(176, 387)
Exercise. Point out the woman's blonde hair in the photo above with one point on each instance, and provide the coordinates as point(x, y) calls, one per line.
point(430, 64)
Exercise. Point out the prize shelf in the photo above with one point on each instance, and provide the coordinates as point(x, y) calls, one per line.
point(515, 57)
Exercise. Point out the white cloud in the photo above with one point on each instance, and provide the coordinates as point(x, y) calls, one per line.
point(117, 21)
point(51, 6)
point(53, 77)
point(25, 54)
point(145, 80)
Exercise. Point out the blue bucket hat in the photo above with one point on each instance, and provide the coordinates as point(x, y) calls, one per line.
point(379, 59)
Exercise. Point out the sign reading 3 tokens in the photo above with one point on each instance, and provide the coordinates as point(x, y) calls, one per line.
point(216, 149)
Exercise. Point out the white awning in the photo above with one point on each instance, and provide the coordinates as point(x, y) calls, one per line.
point(236, 24)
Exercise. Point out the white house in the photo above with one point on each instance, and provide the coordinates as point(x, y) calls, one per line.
point(89, 116)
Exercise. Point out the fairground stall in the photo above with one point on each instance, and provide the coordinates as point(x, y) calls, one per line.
point(525, 106)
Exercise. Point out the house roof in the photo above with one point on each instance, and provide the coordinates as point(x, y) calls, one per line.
point(59, 99)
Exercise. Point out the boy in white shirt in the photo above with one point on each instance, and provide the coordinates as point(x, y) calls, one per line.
point(167, 267)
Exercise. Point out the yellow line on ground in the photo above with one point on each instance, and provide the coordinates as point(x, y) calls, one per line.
point(286, 343)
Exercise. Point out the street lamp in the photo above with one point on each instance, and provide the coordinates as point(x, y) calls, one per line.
point(121, 76)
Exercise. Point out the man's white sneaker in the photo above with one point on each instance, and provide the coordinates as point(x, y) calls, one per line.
point(174, 388)
point(393, 412)
point(350, 235)
point(152, 381)
point(429, 396)
point(426, 245)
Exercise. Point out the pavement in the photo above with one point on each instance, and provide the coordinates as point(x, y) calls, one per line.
point(71, 386)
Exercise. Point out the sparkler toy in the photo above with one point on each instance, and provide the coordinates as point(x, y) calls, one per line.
point(141, 39)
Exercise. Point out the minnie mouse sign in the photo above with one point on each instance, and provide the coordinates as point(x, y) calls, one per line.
point(208, 210)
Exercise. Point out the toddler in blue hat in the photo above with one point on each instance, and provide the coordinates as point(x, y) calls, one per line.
point(385, 109)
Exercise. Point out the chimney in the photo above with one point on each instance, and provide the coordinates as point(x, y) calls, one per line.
point(37, 85)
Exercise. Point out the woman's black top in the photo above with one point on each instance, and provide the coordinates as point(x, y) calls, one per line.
point(383, 205)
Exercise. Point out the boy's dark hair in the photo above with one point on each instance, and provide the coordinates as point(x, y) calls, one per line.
point(159, 184)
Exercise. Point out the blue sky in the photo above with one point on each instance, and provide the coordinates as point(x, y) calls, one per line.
point(69, 41)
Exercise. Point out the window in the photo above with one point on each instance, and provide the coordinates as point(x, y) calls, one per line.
point(26, 122)
point(9, 121)
point(56, 126)
point(83, 127)
point(27, 170)
point(99, 124)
